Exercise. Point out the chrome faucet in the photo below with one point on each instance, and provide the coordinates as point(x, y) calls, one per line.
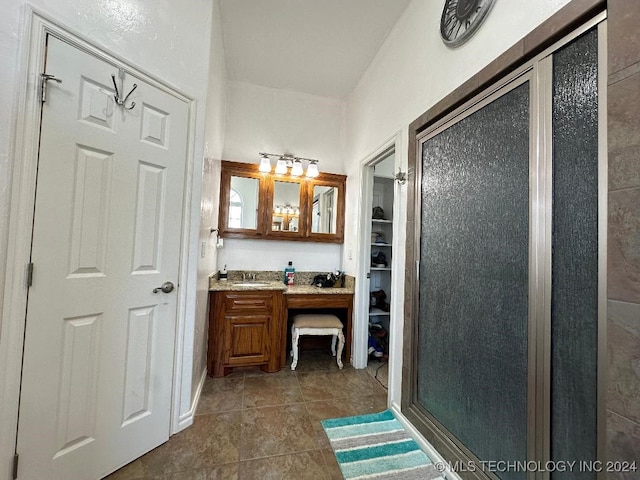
point(251, 277)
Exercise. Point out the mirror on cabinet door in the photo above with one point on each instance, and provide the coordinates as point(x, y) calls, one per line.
point(243, 203)
point(285, 217)
point(324, 208)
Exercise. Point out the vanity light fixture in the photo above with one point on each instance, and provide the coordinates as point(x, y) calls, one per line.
point(286, 210)
point(288, 163)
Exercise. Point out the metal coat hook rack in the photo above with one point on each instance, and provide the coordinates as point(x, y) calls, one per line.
point(400, 177)
point(119, 100)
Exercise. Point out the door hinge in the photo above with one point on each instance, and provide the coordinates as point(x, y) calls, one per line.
point(44, 78)
point(29, 274)
point(15, 466)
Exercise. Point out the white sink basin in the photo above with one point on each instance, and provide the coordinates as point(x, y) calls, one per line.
point(250, 284)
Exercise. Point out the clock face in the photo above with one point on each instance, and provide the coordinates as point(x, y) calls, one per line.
point(461, 18)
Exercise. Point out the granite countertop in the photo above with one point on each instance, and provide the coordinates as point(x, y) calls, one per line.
point(272, 281)
point(230, 286)
point(312, 289)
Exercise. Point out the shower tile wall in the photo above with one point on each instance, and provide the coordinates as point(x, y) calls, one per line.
point(623, 330)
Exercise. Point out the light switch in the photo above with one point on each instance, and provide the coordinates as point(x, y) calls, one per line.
point(203, 249)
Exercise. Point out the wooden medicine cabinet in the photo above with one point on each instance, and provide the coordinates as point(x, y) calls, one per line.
point(280, 207)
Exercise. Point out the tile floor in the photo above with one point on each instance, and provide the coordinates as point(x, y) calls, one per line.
point(252, 425)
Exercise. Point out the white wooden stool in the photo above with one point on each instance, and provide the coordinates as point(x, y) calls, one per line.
point(317, 324)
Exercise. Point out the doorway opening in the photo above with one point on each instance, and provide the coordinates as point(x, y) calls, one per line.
point(378, 263)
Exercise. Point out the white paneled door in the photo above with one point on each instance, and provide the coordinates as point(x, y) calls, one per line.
point(99, 343)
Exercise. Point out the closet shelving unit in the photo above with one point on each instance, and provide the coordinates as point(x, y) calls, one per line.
point(381, 241)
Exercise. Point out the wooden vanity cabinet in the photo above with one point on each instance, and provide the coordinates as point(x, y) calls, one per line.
point(244, 330)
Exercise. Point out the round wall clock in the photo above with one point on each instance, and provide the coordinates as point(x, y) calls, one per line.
point(461, 18)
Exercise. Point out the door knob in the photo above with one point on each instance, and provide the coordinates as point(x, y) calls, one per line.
point(166, 287)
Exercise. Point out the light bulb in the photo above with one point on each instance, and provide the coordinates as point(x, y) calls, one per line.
point(296, 170)
point(281, 167)
point(312, 170)
point(265, 164)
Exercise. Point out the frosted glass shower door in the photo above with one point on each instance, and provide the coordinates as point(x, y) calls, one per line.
point(473, 294)
point(510, 301)
point(574, 291)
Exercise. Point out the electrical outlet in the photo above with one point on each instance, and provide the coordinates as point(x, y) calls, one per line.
point(203, 249)
point(350, 254)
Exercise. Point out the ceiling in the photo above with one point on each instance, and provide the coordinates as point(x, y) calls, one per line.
point(321, 47)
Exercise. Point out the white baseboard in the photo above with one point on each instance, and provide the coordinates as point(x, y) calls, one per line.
point(424, 444)
point(186, 420)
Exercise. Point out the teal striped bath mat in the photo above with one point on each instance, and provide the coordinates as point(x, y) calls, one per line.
point(376, 446)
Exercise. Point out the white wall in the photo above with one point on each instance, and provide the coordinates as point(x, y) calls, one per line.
point(412, 71)
point(274, 255)
point(262, 119)
point(160, 37)
point(216, 111)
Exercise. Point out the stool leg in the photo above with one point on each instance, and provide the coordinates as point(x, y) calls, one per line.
point(293, 330)
point(294, 347)
point(340, 346)
point(333, 345)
